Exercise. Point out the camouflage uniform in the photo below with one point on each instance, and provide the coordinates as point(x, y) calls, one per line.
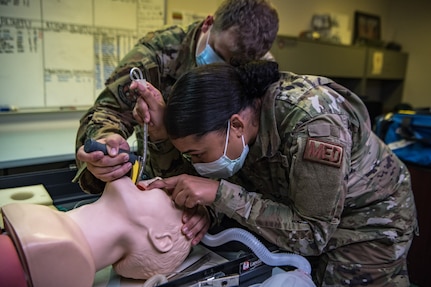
point(319, 182)
point(163, 56)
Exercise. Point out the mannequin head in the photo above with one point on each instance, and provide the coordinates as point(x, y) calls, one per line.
point(138, 232)
point(158, 246)
point(146, 224)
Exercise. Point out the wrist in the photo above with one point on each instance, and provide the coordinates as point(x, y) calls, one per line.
point(218, 192)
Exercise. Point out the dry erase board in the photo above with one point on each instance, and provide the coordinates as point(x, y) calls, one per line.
point(56, 53)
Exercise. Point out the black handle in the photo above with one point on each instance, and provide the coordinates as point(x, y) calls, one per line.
point(91, 145)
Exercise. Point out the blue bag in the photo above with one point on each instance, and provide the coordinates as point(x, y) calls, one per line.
point(408, 135)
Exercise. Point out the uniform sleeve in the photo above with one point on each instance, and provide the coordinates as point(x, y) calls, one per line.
point(112, 110)
point(104, 118)
point(319, 153)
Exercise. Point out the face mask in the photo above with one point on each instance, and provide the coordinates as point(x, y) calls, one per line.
point(224, 167)
point(208, 55)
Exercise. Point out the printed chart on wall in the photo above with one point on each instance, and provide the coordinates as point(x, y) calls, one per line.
point(57, 53)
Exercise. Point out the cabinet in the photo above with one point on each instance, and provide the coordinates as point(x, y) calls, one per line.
point(374, 74)
point(420, 251)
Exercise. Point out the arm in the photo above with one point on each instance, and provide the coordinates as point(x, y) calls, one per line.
point(164, 159)
point(174, 57)
point(112, 114)
point(305, 221)
point(102, 120)
point(310, 197)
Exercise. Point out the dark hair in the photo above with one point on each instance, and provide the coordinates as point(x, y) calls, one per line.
point(204, 98)
point(255, 22)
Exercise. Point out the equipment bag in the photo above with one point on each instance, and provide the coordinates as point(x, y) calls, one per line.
point(408, 135)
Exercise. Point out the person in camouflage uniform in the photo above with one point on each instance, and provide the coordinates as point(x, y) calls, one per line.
point(239, 29)
point(316, 180)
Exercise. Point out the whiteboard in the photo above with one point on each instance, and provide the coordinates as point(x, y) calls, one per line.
point(58, 53)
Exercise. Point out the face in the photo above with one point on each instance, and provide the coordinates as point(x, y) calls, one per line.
point(209, 147)
point(143, 206)
point(221, 42)
point(156, 245)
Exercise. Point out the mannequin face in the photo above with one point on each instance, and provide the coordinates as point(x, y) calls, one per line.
point(155, 245)
point(138, 232)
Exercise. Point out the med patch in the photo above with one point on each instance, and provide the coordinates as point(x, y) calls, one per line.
point(323, 152)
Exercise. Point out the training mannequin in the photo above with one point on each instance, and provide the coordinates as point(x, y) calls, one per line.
point(138, 232)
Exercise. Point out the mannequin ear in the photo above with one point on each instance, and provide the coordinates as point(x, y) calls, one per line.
point(163, 242)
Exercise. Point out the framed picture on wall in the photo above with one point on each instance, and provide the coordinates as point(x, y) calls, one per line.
point(367, 28)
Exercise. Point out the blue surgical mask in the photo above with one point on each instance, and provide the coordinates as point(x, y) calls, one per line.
point(223, 167)
point(208, 55)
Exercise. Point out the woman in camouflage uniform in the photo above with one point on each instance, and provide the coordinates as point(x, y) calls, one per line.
point(293, 159)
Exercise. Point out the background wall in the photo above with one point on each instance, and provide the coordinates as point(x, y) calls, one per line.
point(65, 50)
point(405, 22)
point(411, 26)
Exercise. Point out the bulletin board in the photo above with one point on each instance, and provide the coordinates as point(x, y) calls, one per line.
point(58, 53)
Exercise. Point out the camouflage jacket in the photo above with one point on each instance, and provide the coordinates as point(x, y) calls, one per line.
point(163, 56)
point(317, 177)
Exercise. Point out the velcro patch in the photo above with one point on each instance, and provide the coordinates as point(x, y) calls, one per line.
point(127, 95)
point(323, 152)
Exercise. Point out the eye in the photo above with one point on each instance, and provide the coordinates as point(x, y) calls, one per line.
point(192, 157)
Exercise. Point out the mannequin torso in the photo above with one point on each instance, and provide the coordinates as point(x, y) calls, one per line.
point(139, 232)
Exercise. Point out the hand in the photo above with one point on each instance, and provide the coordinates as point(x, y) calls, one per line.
point(107, 167)
point(196, 223)
point(188, 190)
point(150, 108)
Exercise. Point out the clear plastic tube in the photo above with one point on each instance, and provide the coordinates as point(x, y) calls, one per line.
point(259, 249)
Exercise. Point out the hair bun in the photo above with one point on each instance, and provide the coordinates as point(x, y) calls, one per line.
point(256, 76)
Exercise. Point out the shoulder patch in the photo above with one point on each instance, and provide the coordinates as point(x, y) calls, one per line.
point(127, 95)
point(323, 152)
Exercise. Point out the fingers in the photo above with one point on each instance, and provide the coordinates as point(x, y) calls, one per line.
point(141, 112)
point(166, 183)
point(186, 199)
point(145, 184)
point(149, 108)
point(196, 220)
point(146, 90)
point(148, 93)
point(139, 85)
point(178, 193)
point(182, 193)
point(188, 190)
point(114, 143)
point(196, 223)
point(111, 166)
point(88, 157)
point(111, 172)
